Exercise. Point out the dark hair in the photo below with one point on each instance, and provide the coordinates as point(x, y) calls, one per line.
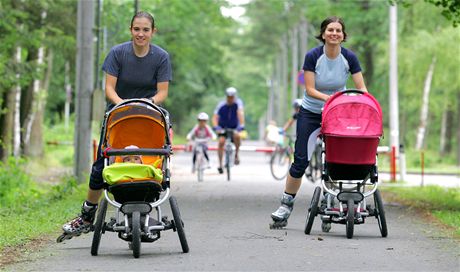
point(143, 14)
point(326, 22)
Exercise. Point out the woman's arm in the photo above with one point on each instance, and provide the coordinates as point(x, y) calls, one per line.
point(359, 81)
point(162, 92)
point(110, 93)
point(288, 124)
point(310, 87)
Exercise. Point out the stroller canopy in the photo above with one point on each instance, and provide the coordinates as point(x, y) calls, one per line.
point(352, 113)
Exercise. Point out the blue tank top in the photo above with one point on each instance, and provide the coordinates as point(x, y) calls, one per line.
point(331, 75)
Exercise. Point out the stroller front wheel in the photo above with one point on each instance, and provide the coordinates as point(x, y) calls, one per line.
point(350, 218)
point(136, 234)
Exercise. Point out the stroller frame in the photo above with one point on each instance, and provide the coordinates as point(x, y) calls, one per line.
point(133, 221)
point(351, 191)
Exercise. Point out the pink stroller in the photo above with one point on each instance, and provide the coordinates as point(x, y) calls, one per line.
point(351, 131)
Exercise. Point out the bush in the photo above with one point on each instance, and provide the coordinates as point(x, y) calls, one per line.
point(15, 185)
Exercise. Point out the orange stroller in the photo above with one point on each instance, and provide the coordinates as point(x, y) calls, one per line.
point(137, 190)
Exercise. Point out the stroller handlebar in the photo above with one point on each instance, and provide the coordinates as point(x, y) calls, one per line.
point(141, 151)
point(144, 101)
point(352, 91)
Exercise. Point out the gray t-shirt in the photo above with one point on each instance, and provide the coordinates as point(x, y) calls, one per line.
point(331, 75)
point(137, 77)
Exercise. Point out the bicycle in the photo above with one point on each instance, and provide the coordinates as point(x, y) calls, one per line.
point(282, 158)
point(229, 149)
point(315, 168)
point(200, 160)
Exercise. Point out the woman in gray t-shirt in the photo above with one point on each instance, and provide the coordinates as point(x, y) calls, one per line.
point(326, 71)
point(134, 69)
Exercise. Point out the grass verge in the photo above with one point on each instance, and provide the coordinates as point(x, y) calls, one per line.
point(27, 222)
point(442, 203)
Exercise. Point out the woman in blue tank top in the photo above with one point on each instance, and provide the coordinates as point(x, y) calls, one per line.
point(326, 71)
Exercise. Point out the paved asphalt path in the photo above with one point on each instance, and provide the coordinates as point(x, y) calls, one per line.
point(227, 229)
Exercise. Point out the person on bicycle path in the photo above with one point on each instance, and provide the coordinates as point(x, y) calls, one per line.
point(296, 106)
point(229, 113)
point(203, 133)
point(133, 69)
point(326, 70)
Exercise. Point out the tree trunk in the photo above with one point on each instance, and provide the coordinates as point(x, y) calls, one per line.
point(32, 129)
point(447, 124)
point(425, 103)
point(68, 97)
point(6, 125)
point(458, 128)
point(17, 111)
point(35, 146)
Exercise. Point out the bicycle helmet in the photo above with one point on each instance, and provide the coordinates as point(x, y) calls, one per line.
point(297, 103)
point(231, 91)
point(203, 116)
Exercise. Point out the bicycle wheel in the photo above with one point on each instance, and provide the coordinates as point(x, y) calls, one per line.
point(313, 209)
point(99, 227)
point(380, 213)
point(350, 218)
point(136, 234)
point(199, 166)
point(280, 163)
point(228, 158)
point(179, 225)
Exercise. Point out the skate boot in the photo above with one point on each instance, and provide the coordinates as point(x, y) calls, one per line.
point(281, 215)
point(80, 224)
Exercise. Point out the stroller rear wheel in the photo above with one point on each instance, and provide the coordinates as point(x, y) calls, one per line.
point(179, 225)
point(350, 218)
point(313, 209)
point(99, 227)
point(380, 213)
point(136, 234)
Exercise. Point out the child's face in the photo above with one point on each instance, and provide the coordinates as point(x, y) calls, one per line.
point(201, 123)
point(133, 159)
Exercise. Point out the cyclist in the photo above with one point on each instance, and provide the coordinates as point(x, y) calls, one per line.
point(272, 134)
point(203, 133)
point(229, 113)
point(296, 106)
point(326, 70)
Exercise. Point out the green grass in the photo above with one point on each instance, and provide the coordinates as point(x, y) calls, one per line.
point(443, 203)
point(26, 220)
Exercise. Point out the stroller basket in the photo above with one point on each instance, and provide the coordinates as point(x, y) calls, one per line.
point(146, 191)
point(351, 127)
point(348, 171)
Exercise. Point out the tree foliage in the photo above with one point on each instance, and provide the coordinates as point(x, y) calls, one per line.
point(210, 52)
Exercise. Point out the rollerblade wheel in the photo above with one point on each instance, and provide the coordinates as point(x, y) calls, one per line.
point(278, 224)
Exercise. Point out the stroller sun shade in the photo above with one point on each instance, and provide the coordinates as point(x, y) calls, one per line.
point(352, 115)
point(135, 125)
point(352, 126)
